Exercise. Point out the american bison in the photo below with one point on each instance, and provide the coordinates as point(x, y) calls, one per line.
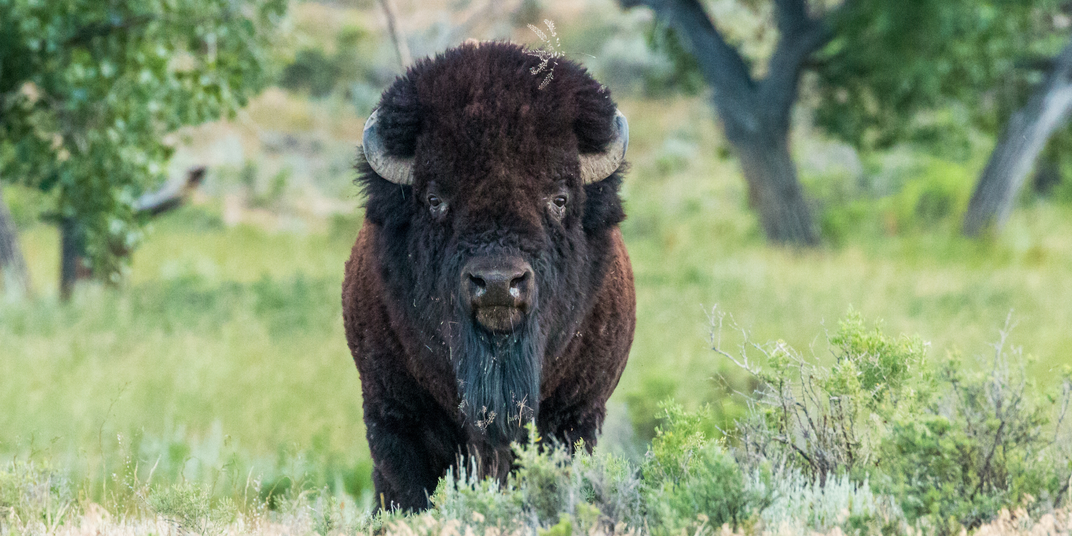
point(489, 286)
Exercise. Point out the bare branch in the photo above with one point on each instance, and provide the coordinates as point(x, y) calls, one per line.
point(721, 65)
point(171, 195)
point(791, 15)
point(397, 36)
point(800, 36)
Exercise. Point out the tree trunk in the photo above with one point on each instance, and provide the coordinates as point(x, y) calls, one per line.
point(74, 265)
point(1019, 145)
point(774, 190)
point(756, 113)
point(14, 278)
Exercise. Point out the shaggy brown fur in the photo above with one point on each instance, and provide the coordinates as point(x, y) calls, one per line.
point(494, 157)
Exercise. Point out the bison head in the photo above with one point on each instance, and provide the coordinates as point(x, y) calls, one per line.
point(494, 198)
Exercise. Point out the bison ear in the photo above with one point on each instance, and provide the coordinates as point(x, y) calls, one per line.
point(396, 169)
point(598, 166)
point(602, 205)
point(386, 204)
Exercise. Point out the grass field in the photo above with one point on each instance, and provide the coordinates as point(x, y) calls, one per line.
point(225, 346)
point(221, 360)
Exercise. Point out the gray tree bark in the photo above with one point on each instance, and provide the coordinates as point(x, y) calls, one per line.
point(14, 278)
point(74, 263)
point(1024, 137)
point(756, 113)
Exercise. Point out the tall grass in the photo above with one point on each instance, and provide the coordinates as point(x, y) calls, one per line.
point(233, 356)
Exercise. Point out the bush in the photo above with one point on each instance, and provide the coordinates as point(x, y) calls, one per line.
point(952, 448)
point(820, 418)
point(795, 500)
point(350, 63)
point(549, 491)
point(939, 194)
point(875, 442)
point(192, 508)
point(312, 70)
point(689, 479)
point(980, 445)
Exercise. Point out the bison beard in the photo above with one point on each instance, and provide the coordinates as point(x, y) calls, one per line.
point(489, 286)
point(499, 379)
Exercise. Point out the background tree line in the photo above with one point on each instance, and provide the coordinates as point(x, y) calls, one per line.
point(90, 91)
point(886, 73)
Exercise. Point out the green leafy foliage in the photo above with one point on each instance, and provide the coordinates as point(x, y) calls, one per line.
point(924, 71)
point(192, 508)
point(979, 446)
point(687, 476)
point(321, 72)
point(690, 479)
point(818, 417)
point(312, 70)
point(675, 447)
point(951, 447)
point(550, 492)
point(872, 365)
point(89, 91)
point(930, 195)
point(890, 61)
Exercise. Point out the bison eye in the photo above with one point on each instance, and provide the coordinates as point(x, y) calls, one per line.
point(556, 205)
point(436, 205)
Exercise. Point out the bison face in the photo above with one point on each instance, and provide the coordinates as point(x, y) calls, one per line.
point(494, 199)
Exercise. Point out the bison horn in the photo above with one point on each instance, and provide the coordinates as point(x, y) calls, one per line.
point(594, 167)
point(395, 169)
point(598, 166)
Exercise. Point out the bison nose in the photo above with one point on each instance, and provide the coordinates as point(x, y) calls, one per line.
point(506, 283)
point(499, 290)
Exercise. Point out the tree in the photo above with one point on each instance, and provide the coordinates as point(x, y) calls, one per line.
point(1024, 137)
point(755, 112)
point(74, 264)
point(897, 67)
point(886, 72)
point(13, 275)
point(89, 91)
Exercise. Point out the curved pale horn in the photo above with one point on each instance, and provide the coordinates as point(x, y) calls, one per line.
point(395, 169)
point(598, 166)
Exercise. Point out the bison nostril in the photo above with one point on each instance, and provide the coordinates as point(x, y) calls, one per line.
point(518, 283)
point(479, 285)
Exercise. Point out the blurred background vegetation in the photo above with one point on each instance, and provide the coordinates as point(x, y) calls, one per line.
point(209, 346)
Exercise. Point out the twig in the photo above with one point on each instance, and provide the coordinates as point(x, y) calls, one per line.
point(397, 36)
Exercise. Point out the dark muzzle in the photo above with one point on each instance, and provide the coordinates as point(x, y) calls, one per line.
point(499, 290)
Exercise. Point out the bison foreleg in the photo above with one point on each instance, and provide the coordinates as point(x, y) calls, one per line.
point(573, 424)
point(412, 447)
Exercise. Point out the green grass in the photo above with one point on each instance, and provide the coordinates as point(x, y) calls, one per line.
point(224, 349)
point(227, 341)
point(222, 359)
point(694, 245)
